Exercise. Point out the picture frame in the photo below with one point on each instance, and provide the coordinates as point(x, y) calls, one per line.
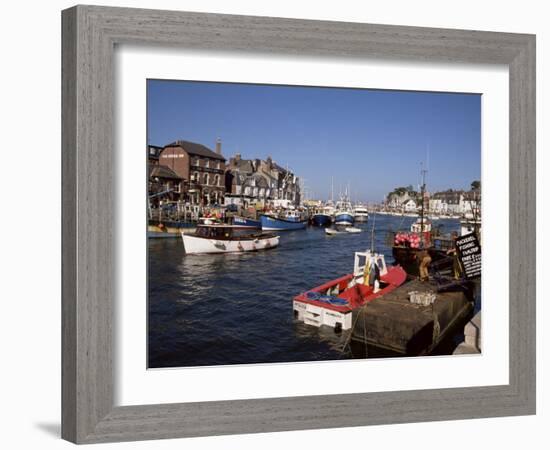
point(89, 37)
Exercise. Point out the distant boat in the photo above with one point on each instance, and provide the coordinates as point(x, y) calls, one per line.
point(361, 214)
point(320, 219)
point(344, 211)
point(468, 226)
point(291, 222)
point(226, 239)
point(342, 230)
point(352, 230)
point(344, 217)
point(323, 217)
point(245, 222)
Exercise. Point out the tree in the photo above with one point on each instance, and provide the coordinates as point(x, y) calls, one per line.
point(476, 185)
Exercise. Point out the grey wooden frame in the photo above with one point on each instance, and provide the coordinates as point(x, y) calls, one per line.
point(90, 34)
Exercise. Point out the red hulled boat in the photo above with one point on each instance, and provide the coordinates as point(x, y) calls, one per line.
point(332, 303)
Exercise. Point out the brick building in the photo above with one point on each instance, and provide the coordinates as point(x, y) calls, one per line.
point(202, 168)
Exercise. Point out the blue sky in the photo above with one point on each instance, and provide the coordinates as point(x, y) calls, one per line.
point(374, 140)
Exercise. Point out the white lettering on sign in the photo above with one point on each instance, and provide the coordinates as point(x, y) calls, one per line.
point(172, 155)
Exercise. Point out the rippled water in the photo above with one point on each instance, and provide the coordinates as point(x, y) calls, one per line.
point(237, 308)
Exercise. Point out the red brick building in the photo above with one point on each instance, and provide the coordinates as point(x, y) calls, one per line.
point(202, 169)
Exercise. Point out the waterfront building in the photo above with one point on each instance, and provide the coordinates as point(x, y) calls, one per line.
point(261, 182)
point(447, 202)
point(153, 152)
point(402, 199)
point(471, 203)
point(164, 185)
point(202, 168)
point(455, 202)
point(409, 205)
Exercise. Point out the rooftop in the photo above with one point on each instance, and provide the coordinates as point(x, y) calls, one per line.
point(196, 149)
point(163, 172)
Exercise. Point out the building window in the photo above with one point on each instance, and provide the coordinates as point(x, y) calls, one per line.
point(207, 163)
point(218, 165)
point(205, 178)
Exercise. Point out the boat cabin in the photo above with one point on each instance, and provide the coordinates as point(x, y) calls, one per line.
point(214, 231)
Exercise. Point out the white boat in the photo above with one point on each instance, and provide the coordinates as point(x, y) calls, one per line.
point(468, 226)
point(352, 230)
point(333, 231)
point(421, 226)
point(361, 214)
point(344, 212)
point(227, 239)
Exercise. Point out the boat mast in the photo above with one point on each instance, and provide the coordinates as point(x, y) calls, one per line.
point(422, 191)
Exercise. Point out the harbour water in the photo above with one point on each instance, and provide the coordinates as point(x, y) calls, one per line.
point(237, 308)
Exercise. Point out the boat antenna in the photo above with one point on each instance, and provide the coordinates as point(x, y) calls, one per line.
point(422, 190)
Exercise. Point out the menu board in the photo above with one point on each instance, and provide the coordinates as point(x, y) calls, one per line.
point(469, 254)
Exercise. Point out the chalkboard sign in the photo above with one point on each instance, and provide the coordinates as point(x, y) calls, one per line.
point(469, 254)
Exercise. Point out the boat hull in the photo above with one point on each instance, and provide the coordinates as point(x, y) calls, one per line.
point(275, 224)
point(321, 220)
point(344, 219)
point(201, 245)
point(244, 222)
point(361, 217)
point(318, 307)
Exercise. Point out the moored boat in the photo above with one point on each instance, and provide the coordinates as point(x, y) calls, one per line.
point(245, 222)
point(321, 219)
point(352, 230)
point(290, 222)
point(344, 218)
point(361, 214)
point(332, 303)
point(333, 231)
point(227, 239)
point(344, 212)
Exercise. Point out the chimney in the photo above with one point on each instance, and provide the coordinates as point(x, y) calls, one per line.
point(219, 146)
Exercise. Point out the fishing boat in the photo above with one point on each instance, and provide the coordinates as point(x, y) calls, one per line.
point(409, 247)
point(226, 239)
point(344, 212)
point(360, 213)
point(291, 221)
point(245, 222)
point(332, 303)
point(322, 217)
